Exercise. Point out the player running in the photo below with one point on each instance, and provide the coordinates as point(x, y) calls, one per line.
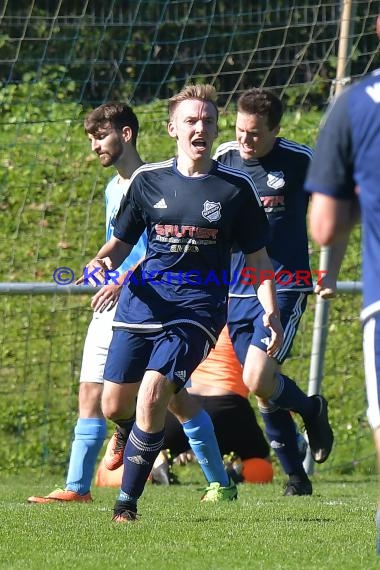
point(174, 306)
point(278, 168)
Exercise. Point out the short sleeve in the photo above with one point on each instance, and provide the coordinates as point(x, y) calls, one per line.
point(331, 169)
point(129, 222)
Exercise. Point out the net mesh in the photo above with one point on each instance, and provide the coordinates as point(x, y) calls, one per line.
point(58, 58)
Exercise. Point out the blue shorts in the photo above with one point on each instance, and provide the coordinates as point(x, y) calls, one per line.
point(175, 353)
point(245, 323)
point(371, 349)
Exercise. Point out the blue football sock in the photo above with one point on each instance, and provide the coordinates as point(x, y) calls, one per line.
point(139, 455)
point(202, 440)
point(289, 396)
point(89, 436)
point(282, 435)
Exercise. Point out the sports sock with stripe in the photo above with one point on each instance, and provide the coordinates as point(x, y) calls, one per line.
point(140, 453)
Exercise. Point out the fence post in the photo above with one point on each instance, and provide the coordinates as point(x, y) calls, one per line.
point(321, 316)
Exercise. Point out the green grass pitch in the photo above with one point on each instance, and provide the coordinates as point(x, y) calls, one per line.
point(333, 529)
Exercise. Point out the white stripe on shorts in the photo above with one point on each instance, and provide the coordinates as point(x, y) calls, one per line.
point(291, 327)
point(371, 379)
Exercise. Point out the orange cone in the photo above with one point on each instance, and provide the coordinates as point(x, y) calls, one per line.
point(257, 470)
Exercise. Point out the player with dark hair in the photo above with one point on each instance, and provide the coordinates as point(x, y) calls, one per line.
point(278, 168)
point(344, 178)
point(174, 306)
point(112, 130)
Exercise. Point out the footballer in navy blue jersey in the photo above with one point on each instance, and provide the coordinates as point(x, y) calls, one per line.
point(346, 170)
point(279, 177)
point(344, 180)
point(278, 167)
point(192, 223)
point(174, 305)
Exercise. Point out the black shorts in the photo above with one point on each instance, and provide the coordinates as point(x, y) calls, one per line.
point(235, 425)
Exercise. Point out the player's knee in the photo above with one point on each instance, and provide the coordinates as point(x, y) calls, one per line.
point(152, 402)
point(119, 400)
point(90, 395)
point(258, 382)
point(114, 409)
point(252, 379)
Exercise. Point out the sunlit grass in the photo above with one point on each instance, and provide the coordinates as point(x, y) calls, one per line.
point(332, 529)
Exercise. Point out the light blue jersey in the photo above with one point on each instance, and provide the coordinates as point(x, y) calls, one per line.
point(114, 193)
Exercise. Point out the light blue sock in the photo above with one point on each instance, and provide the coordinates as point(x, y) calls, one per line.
point(202, 440)
point(89, 436)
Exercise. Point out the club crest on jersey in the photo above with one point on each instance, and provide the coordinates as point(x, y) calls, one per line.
point(211, 211)
point(276, 180)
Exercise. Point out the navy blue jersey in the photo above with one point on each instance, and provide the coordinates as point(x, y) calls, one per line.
point(279, 179)
point(191, 224)
point(348, 155)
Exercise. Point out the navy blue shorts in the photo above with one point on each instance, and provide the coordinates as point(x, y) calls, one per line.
point(371, 348)
point(174, 352)
point(245, 323)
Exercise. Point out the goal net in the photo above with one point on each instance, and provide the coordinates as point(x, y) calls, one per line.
point(58, 59)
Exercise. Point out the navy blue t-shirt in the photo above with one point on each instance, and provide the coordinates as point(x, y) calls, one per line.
point(279, 179)
point(191, 224)
point(347, 157)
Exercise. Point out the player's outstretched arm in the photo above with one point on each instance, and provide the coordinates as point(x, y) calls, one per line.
point(108, 296)
point(266, 293)
point(110, 256)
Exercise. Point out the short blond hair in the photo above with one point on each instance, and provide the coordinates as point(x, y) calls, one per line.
point(200, 92)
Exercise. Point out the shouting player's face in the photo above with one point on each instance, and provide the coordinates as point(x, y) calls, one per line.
point(194, 125)
point(108, 145)
point(253, 135)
